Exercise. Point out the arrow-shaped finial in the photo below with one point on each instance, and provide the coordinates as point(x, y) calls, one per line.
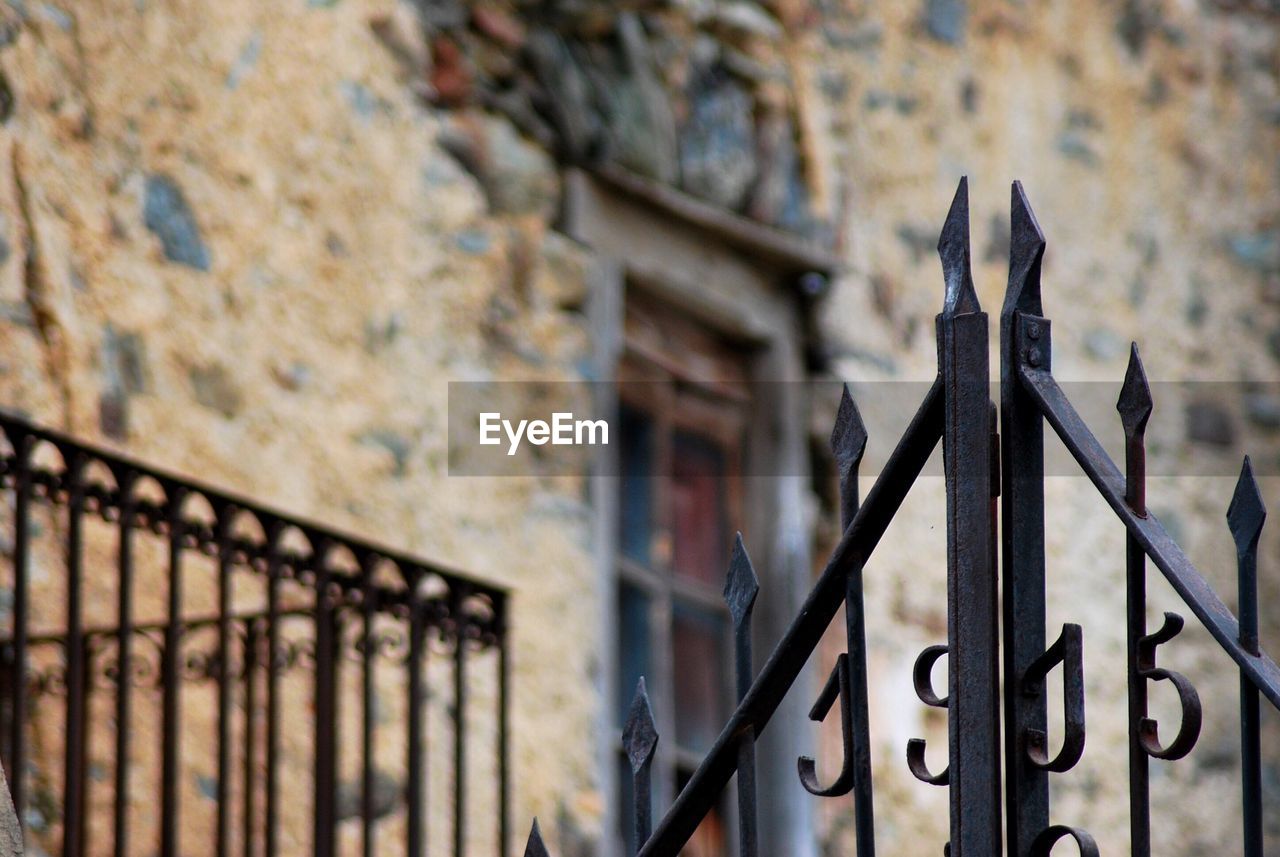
point(640, 736)
point(849, 436)
point(741, 584)
point(535, 846)
point(1135, 401)
point(848, 443)
point(1026, 252)
point(953, 248)
point(1246, 514)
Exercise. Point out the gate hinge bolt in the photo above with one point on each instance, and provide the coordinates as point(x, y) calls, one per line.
point(1033, 356)
point(1033, 330)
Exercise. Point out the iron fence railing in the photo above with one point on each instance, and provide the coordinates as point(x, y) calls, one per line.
point(186, 671)
point(994, 473)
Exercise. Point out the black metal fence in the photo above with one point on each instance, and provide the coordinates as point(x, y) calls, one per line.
point(994, 469)
point(187, 672)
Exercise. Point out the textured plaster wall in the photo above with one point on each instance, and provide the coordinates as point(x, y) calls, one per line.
point(252, 241)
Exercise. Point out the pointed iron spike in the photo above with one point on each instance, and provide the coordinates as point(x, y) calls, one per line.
point(1246, 514)
point(849, 435)
point(639, 736)
point(1135, 402)
point(741, 584)
point(1026, 252)
point(953, 249)
point(535, 846)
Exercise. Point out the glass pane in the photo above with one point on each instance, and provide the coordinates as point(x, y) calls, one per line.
point(697, 648)
point(635, 453)
point(633, 644)
point(708, 840)
point(698, 509)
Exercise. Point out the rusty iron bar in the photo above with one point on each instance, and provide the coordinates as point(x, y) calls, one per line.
point(741, 587)
point(459, 728)
point(23, 443)
point(1245, 516)
point(76, 723)
point(973, 708)
point(1023, 332)
point(848, 443)
point(271, 821)
point(368, 612)
point(125, 480)
point(1135, 406)
point(170, 763)
point(222, 834)
point(415, 792)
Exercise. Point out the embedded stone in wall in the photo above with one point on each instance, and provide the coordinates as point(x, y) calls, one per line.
point(717, 144)
point(170, 218)
point(642, 129)
point(945, 20)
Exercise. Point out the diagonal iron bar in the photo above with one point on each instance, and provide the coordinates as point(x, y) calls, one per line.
point(1185, 578)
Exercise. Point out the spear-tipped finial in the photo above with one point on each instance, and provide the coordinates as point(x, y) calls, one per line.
point(848, 443)
point(1246, 514)
point(953, 248)
point(1135, 401)
point(1026, 252)
point(849, 436)
point(741, 584)
point(535, 846)
point(640, 736)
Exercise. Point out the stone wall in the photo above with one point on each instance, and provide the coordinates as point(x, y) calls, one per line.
point(253, 241)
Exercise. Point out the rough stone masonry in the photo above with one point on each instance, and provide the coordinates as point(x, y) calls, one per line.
point(253, 240)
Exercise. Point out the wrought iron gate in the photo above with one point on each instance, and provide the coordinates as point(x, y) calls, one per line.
point(989, 472)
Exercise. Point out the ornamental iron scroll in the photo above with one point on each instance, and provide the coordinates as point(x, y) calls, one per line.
point(998, 759)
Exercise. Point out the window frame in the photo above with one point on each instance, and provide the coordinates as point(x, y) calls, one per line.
point(743, 281)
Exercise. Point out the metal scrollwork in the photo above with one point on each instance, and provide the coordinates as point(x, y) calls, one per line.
point(1042, 845)
point(837, 686)
point(1068, 651)
point(922, 677)
point(1192, 713)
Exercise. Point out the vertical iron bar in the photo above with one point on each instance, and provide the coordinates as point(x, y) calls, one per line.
point(417, 639)
point(1135, 406)
point(848, 443)
point(124, 660)
point(460, 727)
point(368, 605)
point(974, 704)
point(326, 734)
point(271, 822)
point(82, 770)
point(73, 785)
point(251, 645)
point(504, 725)
point(740, 590)
point(23, 445)
point(226, 514)
point(1022, 518)
point(171, 678)
point(1245, 516)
